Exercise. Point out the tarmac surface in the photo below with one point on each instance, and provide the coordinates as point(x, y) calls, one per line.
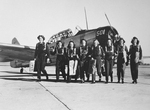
point(23, 92)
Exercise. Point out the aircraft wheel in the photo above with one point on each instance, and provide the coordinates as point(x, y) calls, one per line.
point(21, 70)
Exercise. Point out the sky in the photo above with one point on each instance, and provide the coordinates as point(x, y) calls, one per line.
point(26, 19)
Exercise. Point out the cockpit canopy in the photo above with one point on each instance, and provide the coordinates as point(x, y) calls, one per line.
point(61, 35)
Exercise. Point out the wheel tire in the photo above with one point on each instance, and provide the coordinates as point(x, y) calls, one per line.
point(21, 70)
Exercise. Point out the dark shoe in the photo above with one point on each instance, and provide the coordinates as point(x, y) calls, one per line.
point(122, 81)
point(39, 77)
point(93, 77)
point(64, 78)
point(57, 78)
point(87, 80)
point(38, 80)
point(93, 82)
point(118, 82)
point(69, 79)
point(111, 79)
point(133, 82)
point(99, 79)
point(106, 82)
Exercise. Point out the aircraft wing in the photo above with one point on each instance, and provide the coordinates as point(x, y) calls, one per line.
point(11, 52)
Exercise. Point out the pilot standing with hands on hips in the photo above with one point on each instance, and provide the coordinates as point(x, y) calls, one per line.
point(40, 57)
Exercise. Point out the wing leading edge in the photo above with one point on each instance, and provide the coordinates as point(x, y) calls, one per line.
point(9, 52)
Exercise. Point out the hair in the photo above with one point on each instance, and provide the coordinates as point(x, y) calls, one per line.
point(122, 39)
point(82, 41)
point(58, 43)
point(69, 44)
point(134, 39)
point(41, 36)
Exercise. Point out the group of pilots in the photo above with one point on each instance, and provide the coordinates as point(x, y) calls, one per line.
point(78, 63)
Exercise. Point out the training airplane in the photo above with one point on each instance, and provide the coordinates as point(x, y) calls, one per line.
point(18, 55)
point(101, 33)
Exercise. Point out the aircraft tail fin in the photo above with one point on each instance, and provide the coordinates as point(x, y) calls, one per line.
point(15, 41)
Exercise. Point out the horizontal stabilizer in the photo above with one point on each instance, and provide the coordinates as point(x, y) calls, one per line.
point(15, 41)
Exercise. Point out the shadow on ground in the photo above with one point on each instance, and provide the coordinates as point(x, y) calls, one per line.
point(18, 74)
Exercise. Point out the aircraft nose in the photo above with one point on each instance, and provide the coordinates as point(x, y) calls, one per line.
point(102, 40)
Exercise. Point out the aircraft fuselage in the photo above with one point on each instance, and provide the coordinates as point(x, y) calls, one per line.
point(101, 34)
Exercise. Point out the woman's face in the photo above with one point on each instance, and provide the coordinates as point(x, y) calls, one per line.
point(135, 41)
point(96, 43)
point(83, 43)
point(121, 42)
point(41, 39)
point(60, 44)
point(109, 42)
point(71, 44)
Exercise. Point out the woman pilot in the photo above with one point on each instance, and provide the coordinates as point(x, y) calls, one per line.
point(97, 54)
point(72, 60)
point(109, 56)
point(40, 57)
point(135, 53)
point(60, 51)
point(122, 59)
point(83, 55)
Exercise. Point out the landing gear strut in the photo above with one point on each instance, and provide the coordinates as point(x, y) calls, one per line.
point(21, 70)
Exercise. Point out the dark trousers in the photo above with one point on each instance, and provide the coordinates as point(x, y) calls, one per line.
point(84, 68)
point(108, 68)
point(60, 66)
point(120, 69)
point(98, 65)
point(134, 70)
point(40, 65)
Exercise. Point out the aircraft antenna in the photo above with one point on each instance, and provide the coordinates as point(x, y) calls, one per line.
point(86, 18)
point(107, 19)
point(109, 23)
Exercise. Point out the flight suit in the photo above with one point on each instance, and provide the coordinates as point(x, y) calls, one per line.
point(83, 55)
point(97, 54)
point(122, 60)
point(40, 55)
point(60, 62)
point(109, 51)
point(72, 63)
point(135, 53)
point(48, 50)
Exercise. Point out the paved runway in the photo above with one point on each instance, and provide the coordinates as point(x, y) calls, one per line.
point(23, 92)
